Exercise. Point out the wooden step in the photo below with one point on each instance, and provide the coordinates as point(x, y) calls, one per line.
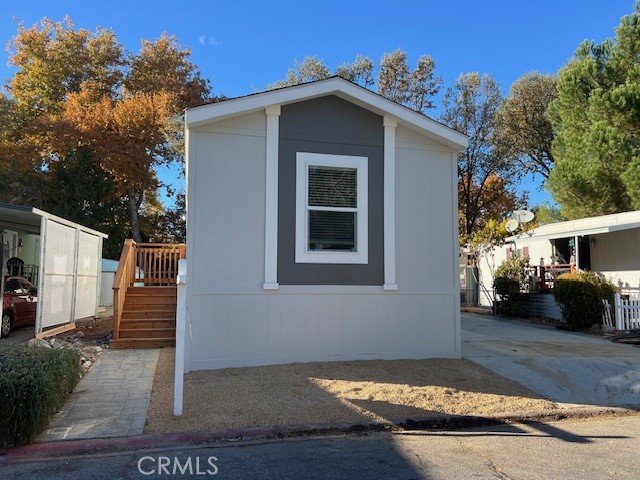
point(147, 313)
point(142, 343)
point(148, 323)
point(168, 306)
point(147, 333)
point(137, 295)
point(152, 290)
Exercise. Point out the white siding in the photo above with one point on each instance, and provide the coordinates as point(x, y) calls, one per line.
point(233, 322)
point(617, 256)
point(241, 330)
point(538, 248)
point(226, 202)
point(425, 242)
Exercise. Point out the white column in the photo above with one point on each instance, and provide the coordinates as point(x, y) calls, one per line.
point(390, 125)
point(181, 322)
point(271, 201)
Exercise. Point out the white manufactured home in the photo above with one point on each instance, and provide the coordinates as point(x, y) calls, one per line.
point(609, 244)
point(322, 225)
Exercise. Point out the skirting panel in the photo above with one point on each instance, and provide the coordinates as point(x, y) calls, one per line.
point(244, 330)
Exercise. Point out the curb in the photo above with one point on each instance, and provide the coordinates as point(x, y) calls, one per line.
point(113, 445)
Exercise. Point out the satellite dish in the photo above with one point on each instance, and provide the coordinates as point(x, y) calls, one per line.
point(512, 225)
point(524, 216)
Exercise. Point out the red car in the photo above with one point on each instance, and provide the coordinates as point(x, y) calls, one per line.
point(19, 304)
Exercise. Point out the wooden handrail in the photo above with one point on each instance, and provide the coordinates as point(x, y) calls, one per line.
point(540, 271)
point(143, 264)
point(121, 282)
point(157, 263)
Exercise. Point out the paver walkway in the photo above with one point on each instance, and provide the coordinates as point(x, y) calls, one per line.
point(110, 401)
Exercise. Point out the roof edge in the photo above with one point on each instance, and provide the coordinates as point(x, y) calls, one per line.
point(350, 91)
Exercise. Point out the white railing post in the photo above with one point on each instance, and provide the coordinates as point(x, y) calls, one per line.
point(181, 320)
point(618, 310)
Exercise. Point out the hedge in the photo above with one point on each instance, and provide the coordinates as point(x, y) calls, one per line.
point(509, 279)
point(580, 296)
point(34, 383)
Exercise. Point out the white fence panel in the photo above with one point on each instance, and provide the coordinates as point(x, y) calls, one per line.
point(59, 272)
point(627, 312)
point(87, 280)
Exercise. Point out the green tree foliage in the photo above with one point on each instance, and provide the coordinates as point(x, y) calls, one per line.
point(597, 122)
point(546, 213)
point(486, 176)
point(522, 127)
point(396, 80)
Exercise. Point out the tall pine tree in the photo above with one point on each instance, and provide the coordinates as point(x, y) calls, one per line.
point(596, 118)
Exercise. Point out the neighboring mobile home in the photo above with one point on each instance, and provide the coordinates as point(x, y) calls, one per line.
point(322, 225)
point(608, 244)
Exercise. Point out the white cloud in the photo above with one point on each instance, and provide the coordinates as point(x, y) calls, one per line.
point(209, 40)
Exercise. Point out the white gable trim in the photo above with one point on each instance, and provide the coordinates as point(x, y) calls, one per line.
point(332, 86)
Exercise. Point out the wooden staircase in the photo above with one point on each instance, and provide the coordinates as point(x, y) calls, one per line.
point(148, 318)
point(145, 296)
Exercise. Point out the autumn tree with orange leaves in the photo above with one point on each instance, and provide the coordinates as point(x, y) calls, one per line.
point(79, 94)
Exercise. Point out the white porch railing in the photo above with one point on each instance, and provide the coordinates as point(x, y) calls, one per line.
point(627, 312)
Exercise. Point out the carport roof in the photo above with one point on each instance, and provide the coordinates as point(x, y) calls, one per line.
point(588, 226)
point(29, 219)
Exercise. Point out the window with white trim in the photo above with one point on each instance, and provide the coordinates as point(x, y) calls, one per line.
point(331, 208)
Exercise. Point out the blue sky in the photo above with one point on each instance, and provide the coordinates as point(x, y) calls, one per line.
point(243, 46)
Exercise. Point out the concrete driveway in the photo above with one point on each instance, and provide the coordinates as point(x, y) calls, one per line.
point(562, 366)
point(19, 335)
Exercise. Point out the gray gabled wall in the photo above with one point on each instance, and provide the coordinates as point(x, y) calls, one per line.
point(333, 126)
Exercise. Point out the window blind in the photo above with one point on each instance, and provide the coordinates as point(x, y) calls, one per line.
point(332, 187)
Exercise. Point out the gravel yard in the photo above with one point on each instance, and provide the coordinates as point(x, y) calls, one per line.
point(333, 392)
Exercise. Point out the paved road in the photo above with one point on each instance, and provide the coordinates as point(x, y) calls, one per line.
point(596, 448)
point(562, 366)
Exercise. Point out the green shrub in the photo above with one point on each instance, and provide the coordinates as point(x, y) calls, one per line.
point(580, 296)
point(508, 281)
point(34, 383)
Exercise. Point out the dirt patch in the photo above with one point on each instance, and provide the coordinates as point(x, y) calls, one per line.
point(333, 392)
point(97, 330)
